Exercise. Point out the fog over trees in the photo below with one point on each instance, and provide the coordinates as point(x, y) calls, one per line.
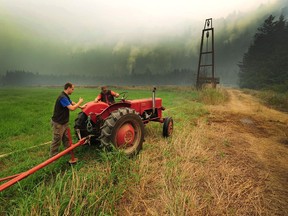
point(265, 64)
point(27, 57)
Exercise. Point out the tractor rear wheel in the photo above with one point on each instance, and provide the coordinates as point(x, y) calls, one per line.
point(168, 127)
point(125, 130)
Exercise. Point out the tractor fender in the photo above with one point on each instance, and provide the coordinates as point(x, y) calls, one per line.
point(101, 109)
point(93, 107)
point(106, 113)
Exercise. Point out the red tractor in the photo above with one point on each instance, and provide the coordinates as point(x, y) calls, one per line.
point(121, 124)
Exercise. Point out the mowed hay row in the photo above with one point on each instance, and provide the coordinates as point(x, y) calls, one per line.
point(188, 175)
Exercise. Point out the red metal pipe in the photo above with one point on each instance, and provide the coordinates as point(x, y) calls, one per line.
point(40, 166)
point(73, 159)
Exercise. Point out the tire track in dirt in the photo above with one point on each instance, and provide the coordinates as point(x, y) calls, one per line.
point(259, 136)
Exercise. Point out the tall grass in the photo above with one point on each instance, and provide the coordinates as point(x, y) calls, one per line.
point(92, 189)
point(274, 99)
point(211, 96)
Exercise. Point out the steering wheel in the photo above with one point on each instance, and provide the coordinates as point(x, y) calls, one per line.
point(122, 96)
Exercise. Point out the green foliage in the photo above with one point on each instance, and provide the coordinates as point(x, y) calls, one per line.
point(281, 88)
point(274, 99)
point(266, 62)
point(271, 98)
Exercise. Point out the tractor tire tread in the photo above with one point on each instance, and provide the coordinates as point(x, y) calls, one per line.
point(109, 124)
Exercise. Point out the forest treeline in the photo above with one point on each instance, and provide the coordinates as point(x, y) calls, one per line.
point(26, 78)
point(265, 64)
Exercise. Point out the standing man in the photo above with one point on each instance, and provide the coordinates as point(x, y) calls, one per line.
point(60, 118)
point(106, 96)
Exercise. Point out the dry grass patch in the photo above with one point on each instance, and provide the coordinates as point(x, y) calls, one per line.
point(194, 173)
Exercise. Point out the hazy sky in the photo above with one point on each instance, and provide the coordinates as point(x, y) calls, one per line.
point(134, 10)
point(104, 17)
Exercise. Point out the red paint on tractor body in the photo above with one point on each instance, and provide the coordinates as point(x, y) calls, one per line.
point(102, 109)
point(142, 105)
point(92, 108)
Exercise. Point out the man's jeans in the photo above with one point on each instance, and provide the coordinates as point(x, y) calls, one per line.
point(59, 134)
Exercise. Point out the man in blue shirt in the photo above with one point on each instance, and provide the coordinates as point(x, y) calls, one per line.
point(60, 118)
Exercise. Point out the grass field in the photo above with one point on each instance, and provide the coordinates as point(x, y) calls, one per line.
point(227, 156)
point(100, 180)
point(216, 163)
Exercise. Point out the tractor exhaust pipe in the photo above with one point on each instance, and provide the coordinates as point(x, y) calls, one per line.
point(153, 99)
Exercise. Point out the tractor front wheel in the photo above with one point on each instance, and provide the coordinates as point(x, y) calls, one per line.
point(125, 130)
point(168, 127)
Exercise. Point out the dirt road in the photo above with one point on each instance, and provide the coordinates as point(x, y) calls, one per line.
point(258, 139)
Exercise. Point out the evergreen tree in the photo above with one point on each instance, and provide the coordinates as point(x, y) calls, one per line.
point(265, 65)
